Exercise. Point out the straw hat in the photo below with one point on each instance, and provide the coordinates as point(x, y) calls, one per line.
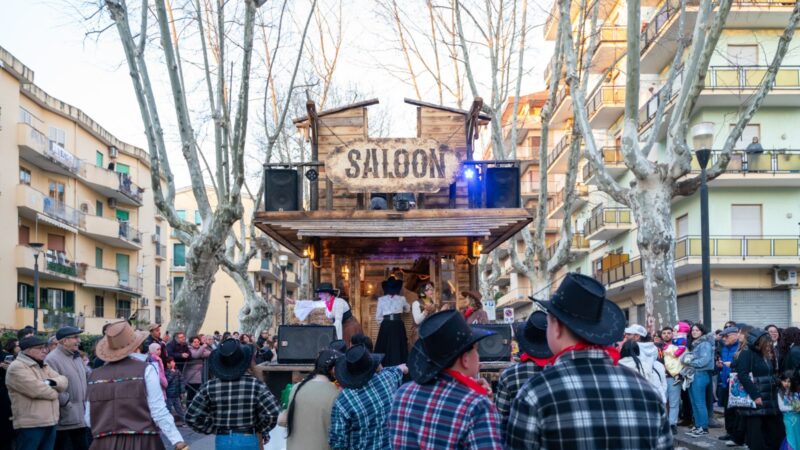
point(119, 341)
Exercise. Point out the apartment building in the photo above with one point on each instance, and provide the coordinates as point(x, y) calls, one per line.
point(754, 207)
point(227, 298)
point(81, 202)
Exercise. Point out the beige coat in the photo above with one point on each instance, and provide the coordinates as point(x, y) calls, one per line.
point(73, 398)
point(33, 402)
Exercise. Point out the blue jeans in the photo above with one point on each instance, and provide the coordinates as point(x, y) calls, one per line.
point(38, 438)
point(674, 400)
point(697, 394)
point(236, 441)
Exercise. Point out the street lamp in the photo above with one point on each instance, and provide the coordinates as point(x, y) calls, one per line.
point(283, 261)
point(227, 299)
point(37, 248)
point(702, 139)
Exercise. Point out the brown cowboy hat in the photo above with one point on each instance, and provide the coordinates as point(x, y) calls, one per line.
point(119, 341)
point(473, 294)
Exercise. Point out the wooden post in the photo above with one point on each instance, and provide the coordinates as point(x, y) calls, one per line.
point(313, 129)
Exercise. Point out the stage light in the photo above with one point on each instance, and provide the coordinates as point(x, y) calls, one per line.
point(469, 173)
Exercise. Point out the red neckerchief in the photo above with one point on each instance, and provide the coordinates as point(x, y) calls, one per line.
point(468, 312)
point(612, 352)
point(329, 303)
point(467, 381)
point(541, 362)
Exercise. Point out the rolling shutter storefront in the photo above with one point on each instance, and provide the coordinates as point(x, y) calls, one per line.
point(689, 307)
point(760, 307)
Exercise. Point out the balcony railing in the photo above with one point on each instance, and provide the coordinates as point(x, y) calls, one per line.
point(59, 210)
point(605, 95)
point(129, 233)
point(751, 77)
point(64, 158)
point(579, 243)
point(770, 161)
point(561, 146)
point(161, 291)
point(606, 216)
point(127, 187)
point(581, 190)
point(657, 24)
point(610, 34)
point(130, 282)
point(57, 262)
point(648, 112)
point(161, 251)
point(612, 156)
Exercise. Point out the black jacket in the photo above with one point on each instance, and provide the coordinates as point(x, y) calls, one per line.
point(792, 360)
point(762, 384)
point(176, 351)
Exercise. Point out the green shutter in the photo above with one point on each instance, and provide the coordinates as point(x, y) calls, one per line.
point(69, 301)
point(98, 257)
point(98, 159)
point(123, 215)
point(123, 168)
point(179, 255)
point(98, 208)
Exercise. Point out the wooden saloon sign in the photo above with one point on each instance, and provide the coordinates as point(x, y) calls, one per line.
point(393, 165)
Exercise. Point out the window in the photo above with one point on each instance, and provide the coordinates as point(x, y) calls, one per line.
point(158, 314)
point(682, 226)
point(290, 267)
point(25, 116)
point(58, 136)
point(98, 158)
point(123, 309)
point(55, 242)
point(24, 235)
point(123, 168)
point(181, 215)
point(98, 257)
point(24, 295)
point(289, 294)
point(56, 190)
point(55, 299)
point(743, 55)
point(197, 219)
point(178, 255)
point(24, 176)
point(158, 233)
point(99, 306)
point(98, 208)
point(177, 283)
point(746, 220)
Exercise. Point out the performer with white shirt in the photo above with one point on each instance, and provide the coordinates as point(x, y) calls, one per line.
point(392, 340)
point(338, 310)
point(421, 308)
point(125, 407)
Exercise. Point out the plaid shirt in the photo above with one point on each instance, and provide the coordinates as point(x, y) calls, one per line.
point(584, 402)
point(359, 415)
point(443, 414)
point(508, 385)
point(242, 404)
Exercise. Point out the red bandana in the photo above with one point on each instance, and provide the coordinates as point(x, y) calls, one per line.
point(468, 312)
point(541, 362)
point(471, 383)
point(612, 352)
point(329, 303)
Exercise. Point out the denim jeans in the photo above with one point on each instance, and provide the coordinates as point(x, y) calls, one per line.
point(236, 441)
point(674, 400)
point(174, 406)
point(697, 394)
point(38, 438)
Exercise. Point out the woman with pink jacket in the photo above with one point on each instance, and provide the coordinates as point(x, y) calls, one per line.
point(154, 356)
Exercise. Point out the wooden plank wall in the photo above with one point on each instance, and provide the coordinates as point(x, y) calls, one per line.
point(448, 128)
point(334, 131)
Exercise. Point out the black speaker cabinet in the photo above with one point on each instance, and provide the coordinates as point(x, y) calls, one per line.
point(498, 346)
point(280, 190)
point(300, 344)
point(502, 187)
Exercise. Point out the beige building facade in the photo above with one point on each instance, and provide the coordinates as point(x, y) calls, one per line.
point(81, 204)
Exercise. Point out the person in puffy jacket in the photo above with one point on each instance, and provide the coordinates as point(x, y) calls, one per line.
point(642, 357)
point(763, 425)
point(701, 359)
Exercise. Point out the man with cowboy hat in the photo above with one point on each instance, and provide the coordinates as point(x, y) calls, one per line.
point(125, 407)
point(445, 406)
point(584, 401)
point(234, 406)
point(359, 412)
point(34, 387)
point(531, 336)
point(71, 432)
point(338, 310)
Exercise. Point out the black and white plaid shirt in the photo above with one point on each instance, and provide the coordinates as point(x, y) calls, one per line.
point(242, 405)
point(508, 385)
point(583, 401)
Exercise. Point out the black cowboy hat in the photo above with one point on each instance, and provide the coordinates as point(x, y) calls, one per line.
point(357, 366)
point(230, 360)
point(580, 303)
point(443, 337)
point(532, 335)
point(392, 286)
point(327, 287)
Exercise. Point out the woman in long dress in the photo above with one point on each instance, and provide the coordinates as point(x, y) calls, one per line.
point(338, 310)
point(421, 308)
point(392, 340)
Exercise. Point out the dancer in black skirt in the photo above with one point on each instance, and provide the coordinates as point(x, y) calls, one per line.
point(392, 340)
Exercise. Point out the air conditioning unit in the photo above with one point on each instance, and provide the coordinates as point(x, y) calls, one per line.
point(155, 238)
point(112, 151)
point(85, 208)
point(785, 277)
point(112, 203)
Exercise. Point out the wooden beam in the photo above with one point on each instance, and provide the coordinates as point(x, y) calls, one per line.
point(361, 104)
point(412, 101)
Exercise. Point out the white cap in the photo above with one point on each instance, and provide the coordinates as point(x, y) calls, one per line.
point(636, 329)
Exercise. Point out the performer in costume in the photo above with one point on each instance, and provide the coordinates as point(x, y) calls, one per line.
point(475, 314)
point(338, 310)
point(392, 340)
point(421, 308)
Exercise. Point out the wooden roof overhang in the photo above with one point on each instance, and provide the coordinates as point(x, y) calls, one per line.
point(387, 232)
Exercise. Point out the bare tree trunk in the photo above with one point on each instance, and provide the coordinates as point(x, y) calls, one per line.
point(257, 313)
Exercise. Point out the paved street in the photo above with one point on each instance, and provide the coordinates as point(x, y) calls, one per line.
point(199, 441)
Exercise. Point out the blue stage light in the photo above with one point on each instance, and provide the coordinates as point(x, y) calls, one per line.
point(469, 173)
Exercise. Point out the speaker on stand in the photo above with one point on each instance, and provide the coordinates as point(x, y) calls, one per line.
point(502, 187)
point(281, 190)
point(498, 346)
point(300, 344)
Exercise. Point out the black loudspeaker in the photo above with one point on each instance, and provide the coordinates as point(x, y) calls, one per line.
point(300, 344)
point(498, 346)
point(502, 187)
point(280, 190)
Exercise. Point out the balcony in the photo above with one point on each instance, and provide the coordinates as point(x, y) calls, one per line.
point(611, 45)
point(515, 297)
point(612, 161)
point(579, 246)
point(648, 112)
point(772, 168)
point(178, 265)
point(563, 109)
point(605, 8)
point(605, 106)
point(112, 232)
point(530, 188)
point(52, 265)
point(161, 292)
point(113, 280)
point(37, 149)
point(555, 205)
point(559, 156)
point(161, 252)
point(130, 283)
point(37, 206)
point(607, 223)
point(730, 85)
point(111, 184)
